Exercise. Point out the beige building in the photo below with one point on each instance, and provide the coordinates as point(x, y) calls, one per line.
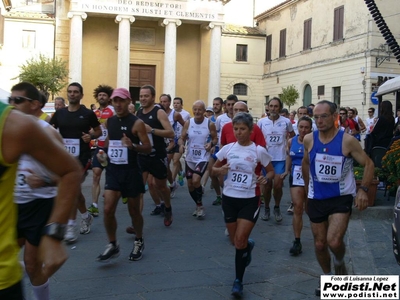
point(329, 50)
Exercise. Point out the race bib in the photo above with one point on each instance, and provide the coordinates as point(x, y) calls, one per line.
point(21, 185)
point(117, 153)
point(275, 139)
point(197, 152)
point(72, 146)
point(239, 180)
point(297, 176)
point(328, 168)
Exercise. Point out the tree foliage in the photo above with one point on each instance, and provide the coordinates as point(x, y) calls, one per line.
point(289, 95)
point(49, 75)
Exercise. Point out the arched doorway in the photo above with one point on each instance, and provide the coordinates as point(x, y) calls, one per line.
point(307, 95)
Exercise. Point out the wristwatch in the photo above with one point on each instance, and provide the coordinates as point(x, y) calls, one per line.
point(364, 188)
point(55, 230)
point(152, 130)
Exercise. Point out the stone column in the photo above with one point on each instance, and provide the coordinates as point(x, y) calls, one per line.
point(124, 49)
point(75, 45)
point(214, 82)
point(170, 55)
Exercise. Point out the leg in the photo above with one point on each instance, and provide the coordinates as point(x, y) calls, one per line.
point(96, 184)
point(320, 231)
point(135, 211)
point(110, 205)
point(278, 184)
point(298, 197)
point(336, 230)
point(215, 183)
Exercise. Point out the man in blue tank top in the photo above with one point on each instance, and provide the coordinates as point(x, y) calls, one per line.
point(329, 180)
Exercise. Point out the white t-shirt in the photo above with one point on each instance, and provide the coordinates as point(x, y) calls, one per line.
point(198, 134)
point(275, 134)
point(241, 181)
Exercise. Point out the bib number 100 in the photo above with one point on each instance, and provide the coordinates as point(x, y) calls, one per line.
point(327, 170)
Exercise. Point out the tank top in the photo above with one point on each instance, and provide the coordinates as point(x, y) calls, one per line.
point(197, 138)
point(174, 124)
point(331, 173)
point(157, 142)
point(296, 153)
point(10, 269)
point(120, 155)
point(23, 193)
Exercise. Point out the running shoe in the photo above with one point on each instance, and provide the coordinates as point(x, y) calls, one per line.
point(296, 248)
point(173, 189)
point(226, 232)
point(156, 211)
point(70, 235)
point(290, 208)
point(251, 244)
point(93, 210)
point(266, 215)
point(168, 218)
point(278, 215)
point(137, 252)
point(146, 187)
point(130, 230)
point(237, 289)
point(124, 200)
point(194, 214)
point(85, 224)
point(217, 201)
point(180, 178)
point(340, 269)
point(200, 212)
point(110, 252)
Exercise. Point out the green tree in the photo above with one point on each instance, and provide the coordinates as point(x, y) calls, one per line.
point(49, 75)
point(289, 95)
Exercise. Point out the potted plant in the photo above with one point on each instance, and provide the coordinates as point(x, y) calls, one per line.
point(391, 167)
point(373, 188)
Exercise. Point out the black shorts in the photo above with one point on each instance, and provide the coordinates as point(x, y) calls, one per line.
point(156, 166)
point(13, 292)
point(32, 217)
point(127, 181)
point(240, 208)
point(175, 149)
point(198, 169)
point(319, 210)
point(95, 161)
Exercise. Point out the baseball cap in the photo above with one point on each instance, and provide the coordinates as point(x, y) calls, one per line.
point(122, 93)
point(209, 108)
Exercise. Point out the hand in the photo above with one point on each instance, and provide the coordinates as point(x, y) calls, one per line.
point(34, 180)
point(86, 137)
point(262, 180)
point(361, 200)
point(283, 175)
point(208, 147)
point(224, 169)
point(126, 141)
point(51, 255)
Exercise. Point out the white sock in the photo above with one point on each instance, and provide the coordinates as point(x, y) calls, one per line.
point(94, 204)
point(71, 222)
point(42, 292)
point(85, 215)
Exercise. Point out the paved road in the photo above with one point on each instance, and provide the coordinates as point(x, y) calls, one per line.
point(193, 259)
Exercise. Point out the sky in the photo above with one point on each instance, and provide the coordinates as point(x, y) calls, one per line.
point(241, 12)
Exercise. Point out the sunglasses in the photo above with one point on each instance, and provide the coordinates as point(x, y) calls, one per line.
point(18, 99)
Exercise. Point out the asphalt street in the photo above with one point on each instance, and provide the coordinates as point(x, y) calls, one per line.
point(193, 259)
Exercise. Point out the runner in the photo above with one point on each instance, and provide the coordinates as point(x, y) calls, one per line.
point(74, 123)
point(241, 195)
point(126, 136)
point(102, 94)
point(196, 131)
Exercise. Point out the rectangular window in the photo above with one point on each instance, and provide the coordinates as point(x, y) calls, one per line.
point(338, 21)
point(307, 34)
point(321, 90)
point(269, 48)
point(266, 99)
point(28, 39)
point(241, 52)
point(336, 95)
point(282, 43)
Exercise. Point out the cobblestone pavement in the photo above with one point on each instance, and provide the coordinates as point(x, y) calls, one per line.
point(193, 259)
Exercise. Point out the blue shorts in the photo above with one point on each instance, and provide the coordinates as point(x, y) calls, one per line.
point(215, 152)
point(279, 166)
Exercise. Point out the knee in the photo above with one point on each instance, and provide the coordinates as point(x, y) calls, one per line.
point(109, 212)
point(240, 242)
point(320, 246)
point(335, 243)
point(152, 184)
point(31, 267)
point(298, 209)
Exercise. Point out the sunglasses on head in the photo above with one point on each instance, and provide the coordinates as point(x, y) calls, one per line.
point(18, 99)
